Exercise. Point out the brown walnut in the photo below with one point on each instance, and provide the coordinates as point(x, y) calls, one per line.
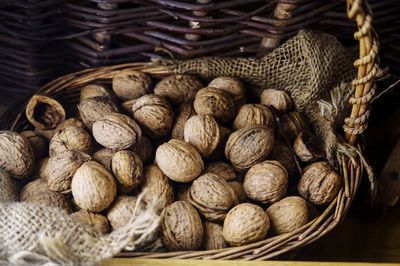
point(178, 88)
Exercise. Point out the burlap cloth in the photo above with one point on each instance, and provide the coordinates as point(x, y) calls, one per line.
point(314, 68)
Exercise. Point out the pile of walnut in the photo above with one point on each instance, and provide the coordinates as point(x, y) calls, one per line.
point(222, 171)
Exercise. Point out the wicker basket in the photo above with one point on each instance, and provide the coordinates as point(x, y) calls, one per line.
point(68, 88)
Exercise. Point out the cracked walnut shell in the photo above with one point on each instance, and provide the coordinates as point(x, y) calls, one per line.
point(70, 138)
point(249, 145)
point(44, 112)
point(178, 88)
point(246, 223)
point(182, 228)
point(179, 161)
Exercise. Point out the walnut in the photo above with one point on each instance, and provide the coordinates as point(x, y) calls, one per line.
point(38, 192)
point(127, 106)
point(202, 131)
point(215, 102)
point(181, 227)
point(70, 138)
point(283, 154)
point(253, 114)
point(245, 223)
point(42, 166)
point(212, 196)
point(116, 131)
point(97, 221)
point(186, 111)
point(232, 86)
point(154, 114)
point(104, 156)
point(307, 147)
point(239, 191)
point(144, 148)
point(38, 143)
point(130, 84)
point(213, 238)
point(16, 155)
point(70, 122)
point(93, 187)
point(178, 88)
point(219, 153)
point(96, 108)
point(128, 170)
point(288, 214)
point(44, 112)
point(182, 192)
point(291, 124)
point(320, 183)
point(94, 90)
point(179, 161)
point(8, 187)
point(122, 211)
point(266, 182)
point(224, 170)
point(278, 99)
point(60, 169)
point(249, 145)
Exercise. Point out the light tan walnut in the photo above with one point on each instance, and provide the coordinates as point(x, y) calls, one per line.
point(122, 211)
point(127, 168)
point(70, 122)
point(266, 182)
point(93, 187)
point(178, 88)
point(246, 223)
point(70, 138)
point(288, 214)
point(249, 145)
point(97, 221)
point(232, 86)
point(213, 238)
point(154, 114)
point(278, 99)
point(182, 228)
point(8, 187)
point(96, 108)
point(94, 90)
point(253, 114)
point(186, 111)
point(104, 157)
point(179, 161)
point(130, 84)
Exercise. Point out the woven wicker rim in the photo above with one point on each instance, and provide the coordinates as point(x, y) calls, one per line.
point(350, 170)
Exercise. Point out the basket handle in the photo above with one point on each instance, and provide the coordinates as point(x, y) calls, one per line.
point(360, 12)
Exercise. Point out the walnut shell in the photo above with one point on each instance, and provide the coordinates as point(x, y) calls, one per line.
point(94, 90)
point(97, 221)
point(215, 102)
point(157, 186)
point(60, 169)
point(253, 114)
point(127, 168)
point(38, 192)
point(278, 99)
point(178, 88)
point(232, 86)
point(291, 124)
point(213, 238)
point(186, 111)
point(212, 196)
point(130, 84)
point(179, 161)
point(70, 138)
point(122, 211)
point(245, 223)
point(96, 108)
point(202, 131)
point(144, 148)
point(266, 182)
point(42, 166)
point(16, 155)
point(38, 143)
point(320, 183)
point(44, 112)
point(249, 145)
point(127, 106)
point(93, 187)
point(182, 192)
point(154, 114)
point(219, 153)
point(70, 122)
point(239, 191)
point(116, 131)
point(283, 154)
point(307, 147)
point(181, 227)
point(8, 187)
point(288, 214)
point(224, 170)
point(104, 157)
